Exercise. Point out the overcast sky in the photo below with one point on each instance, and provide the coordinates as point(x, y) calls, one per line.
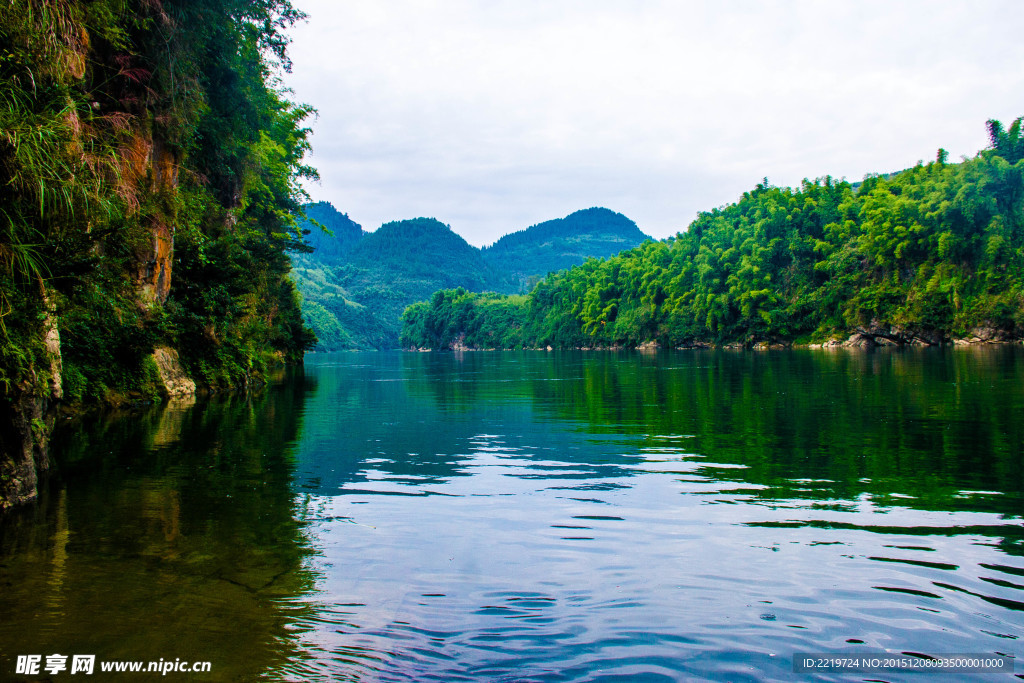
point(493, 116)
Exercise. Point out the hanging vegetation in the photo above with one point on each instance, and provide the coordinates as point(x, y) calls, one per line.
point(149, 186)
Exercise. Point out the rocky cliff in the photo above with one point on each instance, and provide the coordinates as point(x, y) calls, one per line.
point(149, 177)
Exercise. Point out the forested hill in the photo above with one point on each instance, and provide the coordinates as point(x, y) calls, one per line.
point(423, 249)
point(330, 234)
point(150, 172)
point(562, 243)
point(925, 256)
point(354, 289)
point(355, 285)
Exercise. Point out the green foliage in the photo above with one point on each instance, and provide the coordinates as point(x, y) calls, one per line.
point(330, 332)
point(458, 317)
point(126, 126)
point(1007, 143)
point(74, 383)
point(934, 251)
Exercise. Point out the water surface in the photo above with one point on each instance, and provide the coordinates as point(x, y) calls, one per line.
point(541, 517)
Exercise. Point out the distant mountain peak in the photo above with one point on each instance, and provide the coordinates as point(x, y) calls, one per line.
point(596, 220)
point(561, 243)
point(344, 232)
point(405, 261)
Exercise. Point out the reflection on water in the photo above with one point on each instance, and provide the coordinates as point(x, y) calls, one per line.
point(542, 516)
point(573, 516)
point(170, 533)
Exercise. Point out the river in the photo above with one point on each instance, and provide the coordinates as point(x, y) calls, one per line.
point(538, 516)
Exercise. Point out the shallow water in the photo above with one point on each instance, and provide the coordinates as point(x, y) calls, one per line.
point(540, 516)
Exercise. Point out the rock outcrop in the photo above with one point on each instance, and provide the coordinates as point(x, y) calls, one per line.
point(175, 382)
point(986, 335)
point(25, 426)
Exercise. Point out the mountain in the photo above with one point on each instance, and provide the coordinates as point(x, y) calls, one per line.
point(561, 243)
point(403, 262)
point(343, 233)
point(418, 251)
point(355, 284)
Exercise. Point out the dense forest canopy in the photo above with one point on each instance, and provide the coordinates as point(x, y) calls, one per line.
point(921, 256)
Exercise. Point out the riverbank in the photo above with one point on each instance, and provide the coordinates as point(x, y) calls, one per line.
point(28, 418)
point(858, 339)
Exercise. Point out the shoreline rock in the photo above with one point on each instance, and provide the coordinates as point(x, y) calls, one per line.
point(172, 375)
point(870, 336)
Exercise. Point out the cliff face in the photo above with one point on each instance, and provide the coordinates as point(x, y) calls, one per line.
point(149, 182)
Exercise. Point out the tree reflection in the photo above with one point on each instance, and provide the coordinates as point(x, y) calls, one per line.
point(928, 424)
point(169, 533)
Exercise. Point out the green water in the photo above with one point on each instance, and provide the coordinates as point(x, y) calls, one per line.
point(538, 516)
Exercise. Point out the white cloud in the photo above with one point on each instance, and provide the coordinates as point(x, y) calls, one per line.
point(492, 116)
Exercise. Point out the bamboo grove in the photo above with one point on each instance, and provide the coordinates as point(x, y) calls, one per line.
point(931, 254)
